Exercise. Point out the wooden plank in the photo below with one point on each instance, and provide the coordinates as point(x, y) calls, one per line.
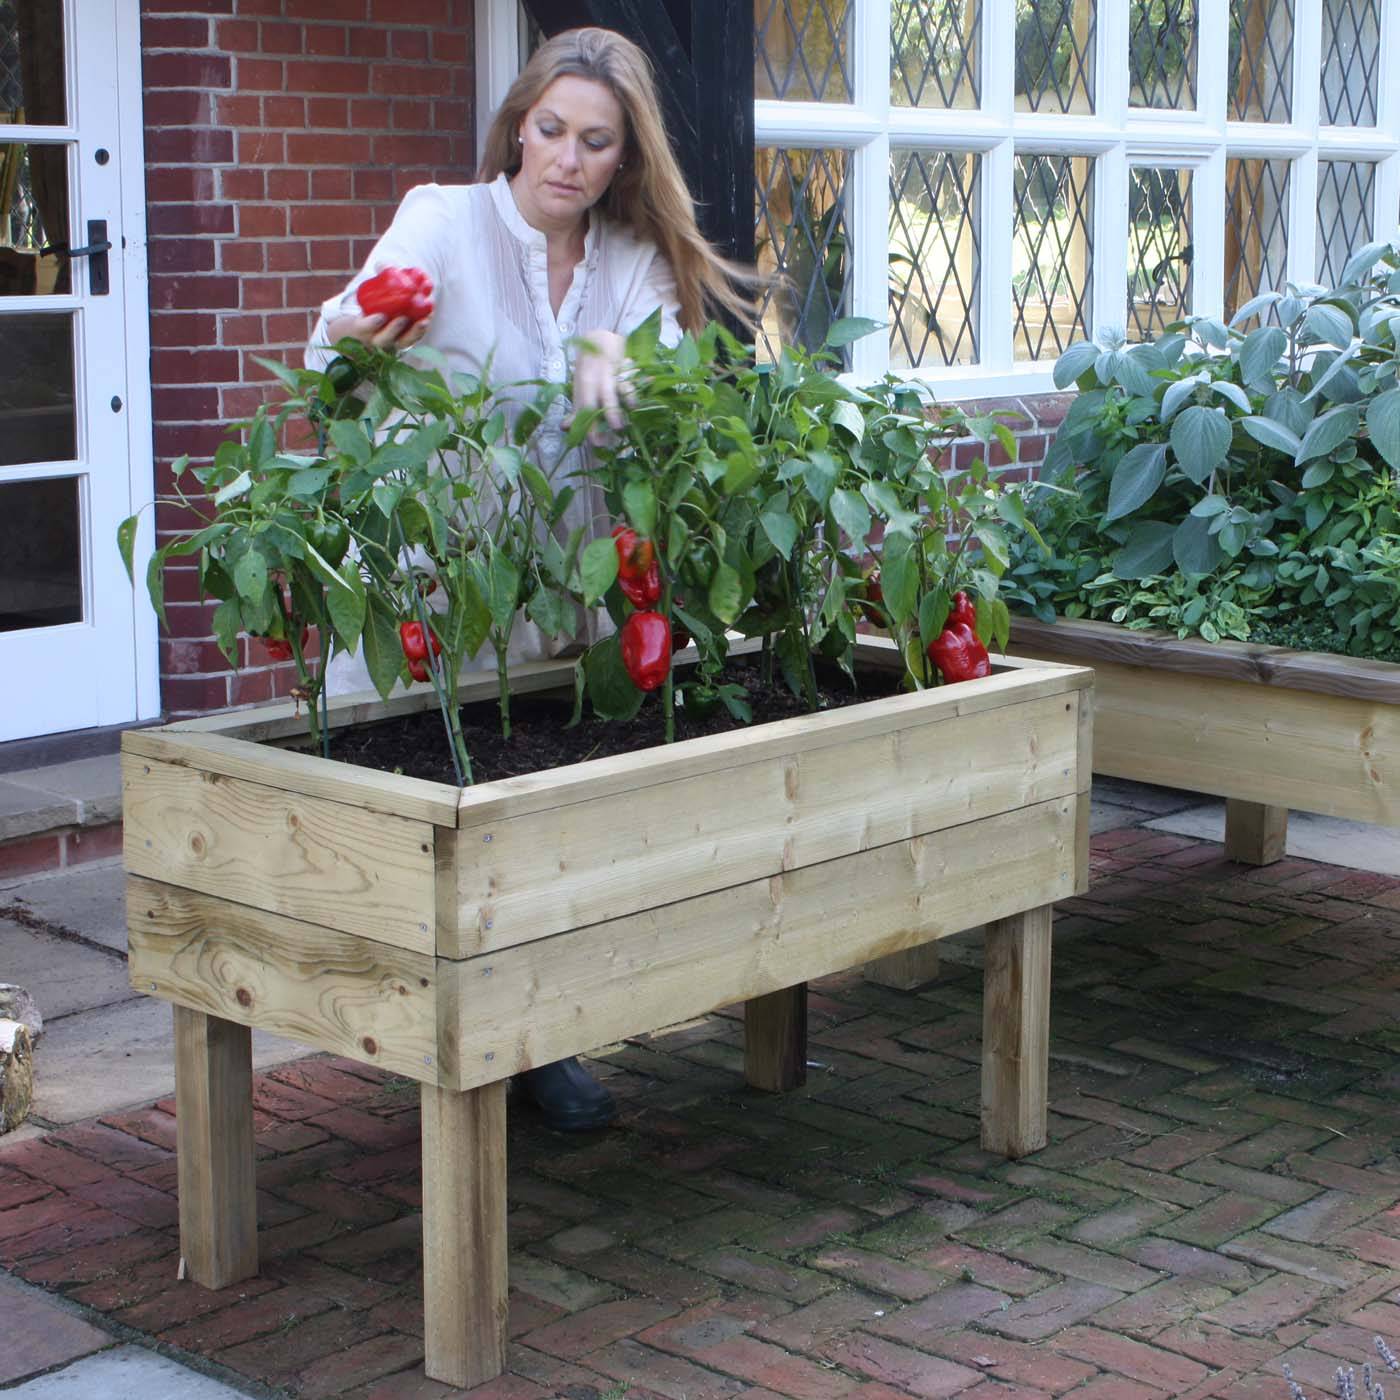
point(1086, 643)
point(903, 971)
point(339, 992)
point(1284, 748)
point(1016, 1032)
point(214, 1148)
point(583, 782)
point(326, 863)
point(464, 1233)
point(289, 771)
point(1255, 834)
point(529, 876)
point(552, 997)
point(775, 1039)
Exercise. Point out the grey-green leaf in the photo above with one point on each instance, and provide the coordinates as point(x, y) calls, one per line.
point(1383, 424)
point(1200, 439)
point(1272, 434)
point(1148, 550)
point(1260, 354)
point(1073, 363)
point(1329, 431)
point(1194, 548)
point(1135, 479)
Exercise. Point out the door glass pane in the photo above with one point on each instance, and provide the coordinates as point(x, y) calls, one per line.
point(935, 258)
point(33, 215)
point(31, 55)
point(1055, 55)
point(1261, 60)
point(802, 50)
point(1162, 53)
point(41, 557)
point(803, 243)
point(1052, 253)
point(1159, 250)
point(935, 53)
point(38, 421)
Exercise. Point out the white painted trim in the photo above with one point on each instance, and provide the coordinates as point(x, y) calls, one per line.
point(998, 179)
point(497, 59)
point(870, 184)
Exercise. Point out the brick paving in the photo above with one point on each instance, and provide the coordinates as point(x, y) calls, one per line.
point(1220, 1194)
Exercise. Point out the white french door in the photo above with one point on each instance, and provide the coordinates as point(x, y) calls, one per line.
point(71, 647)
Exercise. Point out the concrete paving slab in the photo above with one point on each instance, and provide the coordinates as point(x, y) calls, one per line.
point(62, 975)
point(89, 900)
point(95, 784)
point(123, 1373)
point(119, 1057)
point(1144, 796)
point(40, 1333)
point(1356, 845)
point(23, 811)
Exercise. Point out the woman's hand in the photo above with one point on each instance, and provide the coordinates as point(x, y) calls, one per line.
point(600, 377)
point(378, 331)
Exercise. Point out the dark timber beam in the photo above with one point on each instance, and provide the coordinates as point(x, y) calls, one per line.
point(703, 54)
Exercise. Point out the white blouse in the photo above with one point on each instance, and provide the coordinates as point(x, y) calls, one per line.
point(492, 318)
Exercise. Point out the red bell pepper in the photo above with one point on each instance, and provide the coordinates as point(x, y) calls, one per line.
point(646, 649)
point(958, 654)
point(645, 591)
point(964, 610)
point(415, 648)
point(635, 553)
point(396, 292)
point(280, 648)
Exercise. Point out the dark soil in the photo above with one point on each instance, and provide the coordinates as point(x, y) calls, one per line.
point(416, 745)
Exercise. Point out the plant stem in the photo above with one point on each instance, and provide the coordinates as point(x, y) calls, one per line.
point(446, 693)
point(668, 686)
point(502, 684)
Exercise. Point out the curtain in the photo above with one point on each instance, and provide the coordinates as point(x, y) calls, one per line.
point(45, 86)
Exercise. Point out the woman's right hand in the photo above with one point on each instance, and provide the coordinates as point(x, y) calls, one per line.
point(378, 331)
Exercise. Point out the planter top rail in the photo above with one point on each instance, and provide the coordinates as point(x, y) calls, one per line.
point(1083, 642)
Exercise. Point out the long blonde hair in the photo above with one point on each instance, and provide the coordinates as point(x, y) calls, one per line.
point(648, 193)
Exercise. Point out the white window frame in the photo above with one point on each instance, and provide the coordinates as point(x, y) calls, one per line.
point(1116, 136)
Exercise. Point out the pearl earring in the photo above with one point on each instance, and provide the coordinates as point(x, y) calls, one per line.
point(521, 139)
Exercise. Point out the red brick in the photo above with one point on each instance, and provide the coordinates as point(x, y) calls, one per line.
point(48, 1161)
point(89, 843)
point(32, 855)
point(245, 1319)
point(186, 70)
point(174, 107)
point(1016, 1362)
point(1136, 1360)
point(910, 1371)
point(327, 40)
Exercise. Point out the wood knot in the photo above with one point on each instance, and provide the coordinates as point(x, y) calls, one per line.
point(370, 1045)
point(243, 997)
point(197, 843)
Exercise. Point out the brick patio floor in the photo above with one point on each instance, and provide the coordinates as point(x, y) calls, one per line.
point(1221, 1192)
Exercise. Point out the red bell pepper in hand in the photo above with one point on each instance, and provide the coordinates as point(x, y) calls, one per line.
point(396, 292)
point(415, 648)
point(964, 610)
point(646, 649)
point(642, 592)
point(958, 654)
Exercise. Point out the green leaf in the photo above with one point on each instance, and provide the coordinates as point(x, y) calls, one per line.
point(852, 515)
point(850, 328)
point(598, 569)
point(1132, 374)
point(1382, 422)
point(380, 642)
point(347, 605)
point(1073, 363)
point(349, 439)
point(250, 575)
point(551, 612)
point(1272, 434)
point(503, 579)
point(639, 502)
point(1178, 393)
point(1364, 259)
point(899, 577)
point(1209, 506)
point(1237, 396)
point(781, 530)
point(1328, 431)
point(1147, 551)
point(126, 544)
point(1254, 306)
point(1260, 353)
point(846, 415)
point(933, 614)
point(1135, 479)
point(1318, 474)
point(1194, 548)
point(819, 474)
point(1327, 325)
point(1200, 438)
point(726, 593)
point(239, 486)
point(609, 686)
point(468, 620)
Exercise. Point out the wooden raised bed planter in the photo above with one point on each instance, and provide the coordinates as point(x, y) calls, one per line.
point(1266, 728)
point(455, 937)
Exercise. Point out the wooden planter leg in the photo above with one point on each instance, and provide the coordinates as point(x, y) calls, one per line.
point(775, 1039)
point(1254, 834)
point(464, 1233)
point(905, 970)
point(1016, 1032)
point(214, 1148)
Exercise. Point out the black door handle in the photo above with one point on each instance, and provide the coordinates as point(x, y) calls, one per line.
point(98, 244)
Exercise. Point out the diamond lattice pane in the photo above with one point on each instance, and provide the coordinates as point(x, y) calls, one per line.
point(802, 50)
point(1162, 53)
point(935, 257)
point(1261, 60)
point(935, 50)
point(1052, 254)
point(1159, 250)
point(803, 243)
point(1055, 55)
point(1256, 229)
point(43, 32)
point(1346, 192)
point(1351, 55)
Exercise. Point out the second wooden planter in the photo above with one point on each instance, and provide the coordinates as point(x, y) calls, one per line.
point(457, 937)
point(1266, 728)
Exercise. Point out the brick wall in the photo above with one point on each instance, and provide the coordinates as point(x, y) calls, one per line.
point(280, 137)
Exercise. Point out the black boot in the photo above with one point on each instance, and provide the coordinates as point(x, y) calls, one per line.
point(569, 1098)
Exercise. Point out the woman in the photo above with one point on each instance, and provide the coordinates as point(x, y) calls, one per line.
point(579, 227)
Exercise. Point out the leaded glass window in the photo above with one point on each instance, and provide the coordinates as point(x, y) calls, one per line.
point(1256, 229)
point(1345, 213)
point(1159, 249)
point(1261, 60)
point(1351, 52)
point(1055, 55)
point(802, 50)
point(1052, 253)
point(1162, 53)
point(935, 53)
